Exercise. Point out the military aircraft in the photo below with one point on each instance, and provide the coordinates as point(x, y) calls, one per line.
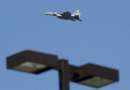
point(67, 15)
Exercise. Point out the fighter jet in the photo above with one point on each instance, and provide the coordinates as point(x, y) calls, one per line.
point(67, 15)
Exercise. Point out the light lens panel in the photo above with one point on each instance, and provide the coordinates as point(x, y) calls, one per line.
point(96, 81)
point(30, 67)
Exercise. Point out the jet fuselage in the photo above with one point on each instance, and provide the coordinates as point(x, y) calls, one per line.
point(66, 15)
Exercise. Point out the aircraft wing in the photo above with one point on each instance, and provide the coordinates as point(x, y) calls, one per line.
point(52, 13)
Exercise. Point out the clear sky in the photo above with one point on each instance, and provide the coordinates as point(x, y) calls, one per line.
point(102, 38)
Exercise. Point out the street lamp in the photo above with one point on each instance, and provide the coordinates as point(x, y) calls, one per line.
point(31, 62)
point(37, 62)
point(96, 76)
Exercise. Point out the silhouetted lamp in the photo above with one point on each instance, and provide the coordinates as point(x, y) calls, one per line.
point(96, 76)
point(32, 62)
point(89, 74)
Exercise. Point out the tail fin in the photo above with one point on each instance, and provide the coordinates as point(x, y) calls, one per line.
point(76, 13)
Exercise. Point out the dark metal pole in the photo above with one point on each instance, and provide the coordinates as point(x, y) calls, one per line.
point(64, 75)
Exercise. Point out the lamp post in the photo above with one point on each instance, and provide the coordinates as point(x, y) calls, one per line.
point(37, 62)
point(64, 75)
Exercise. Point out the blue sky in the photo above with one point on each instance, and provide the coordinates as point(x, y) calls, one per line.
point(102, 38)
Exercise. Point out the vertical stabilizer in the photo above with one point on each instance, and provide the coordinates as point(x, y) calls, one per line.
point(76, 13)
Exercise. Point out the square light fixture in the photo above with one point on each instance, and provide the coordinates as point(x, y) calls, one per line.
point(96, 76)
point(31, 61)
